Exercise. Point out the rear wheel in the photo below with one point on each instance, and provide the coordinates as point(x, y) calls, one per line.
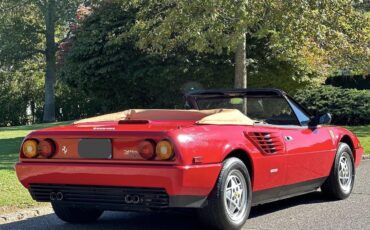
point(340, 182)
point(230, 201)
point(76, 214)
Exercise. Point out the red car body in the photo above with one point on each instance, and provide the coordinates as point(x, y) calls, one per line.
point(299, 161)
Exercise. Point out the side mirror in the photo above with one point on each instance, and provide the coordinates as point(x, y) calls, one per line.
point(324, 119)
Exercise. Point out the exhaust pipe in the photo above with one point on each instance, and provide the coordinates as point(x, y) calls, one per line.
point(53, 196)
point(59, 196)
point(128, 199)
point(135, 199)
point(132, 199)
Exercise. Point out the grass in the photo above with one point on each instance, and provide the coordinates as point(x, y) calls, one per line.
point(12, 194)
point(363, 134)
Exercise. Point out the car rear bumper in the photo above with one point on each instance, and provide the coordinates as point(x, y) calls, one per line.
point(185, 186)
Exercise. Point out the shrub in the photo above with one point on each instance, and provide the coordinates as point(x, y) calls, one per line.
point(348, 106)
point(350, 82)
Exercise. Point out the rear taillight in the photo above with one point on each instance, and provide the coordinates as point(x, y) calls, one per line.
point(34, 148)
point(29, 148)
point(46, 148)
point(146, 150)
point(164, 150)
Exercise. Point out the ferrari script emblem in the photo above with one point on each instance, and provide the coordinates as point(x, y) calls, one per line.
point(65, 150)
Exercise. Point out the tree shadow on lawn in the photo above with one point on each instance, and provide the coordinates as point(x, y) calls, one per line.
point(163, 220)
point(9, 152)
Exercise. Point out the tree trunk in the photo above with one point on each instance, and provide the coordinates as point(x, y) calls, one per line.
point(240, 80)
point(49, 106)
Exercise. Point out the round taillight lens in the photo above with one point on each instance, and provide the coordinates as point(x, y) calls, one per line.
point(46, 148)
point(29, 148)
point(146, 150)
point(164, 150)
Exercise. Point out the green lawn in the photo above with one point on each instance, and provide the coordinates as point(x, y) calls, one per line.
point(14, 196)
point(363, 133)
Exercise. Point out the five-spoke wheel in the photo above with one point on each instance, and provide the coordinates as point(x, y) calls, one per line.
point(345, 172)
point(235, 195)
point(340, 182)
point(230, 201)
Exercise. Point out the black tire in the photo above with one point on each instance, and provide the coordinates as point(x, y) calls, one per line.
point(333, 188)
point(76, 214)
point(215, 215)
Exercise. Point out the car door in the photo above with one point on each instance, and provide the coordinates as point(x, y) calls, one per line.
point(309, 153)
point(310, 150)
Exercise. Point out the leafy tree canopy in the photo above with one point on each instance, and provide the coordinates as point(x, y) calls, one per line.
point(31, 30)
point(22, 27)
point(320, 33)
point(105, 64)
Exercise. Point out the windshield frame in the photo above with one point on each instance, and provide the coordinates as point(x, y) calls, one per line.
point(193, 97)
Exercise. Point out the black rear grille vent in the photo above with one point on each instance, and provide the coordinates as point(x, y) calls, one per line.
point(104, 197)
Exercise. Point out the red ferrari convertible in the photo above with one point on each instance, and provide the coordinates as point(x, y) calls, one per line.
point(229, 151)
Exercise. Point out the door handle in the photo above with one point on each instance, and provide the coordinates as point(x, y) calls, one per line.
point(288, 138)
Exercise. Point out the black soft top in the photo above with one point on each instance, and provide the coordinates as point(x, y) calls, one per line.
point(209, 93)
point(192, 96)
point(234, 92)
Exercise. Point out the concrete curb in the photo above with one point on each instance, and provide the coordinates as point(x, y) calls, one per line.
point(25, 214)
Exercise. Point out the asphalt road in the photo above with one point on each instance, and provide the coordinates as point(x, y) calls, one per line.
point(304, 212)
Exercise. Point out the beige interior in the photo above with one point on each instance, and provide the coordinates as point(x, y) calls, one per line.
point(214, 116)
point(226, 117)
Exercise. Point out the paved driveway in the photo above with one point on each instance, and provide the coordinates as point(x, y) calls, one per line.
point(305, 212)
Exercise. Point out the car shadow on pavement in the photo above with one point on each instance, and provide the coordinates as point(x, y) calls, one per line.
point(310, 198)
point(112, 220)
point(162, 220)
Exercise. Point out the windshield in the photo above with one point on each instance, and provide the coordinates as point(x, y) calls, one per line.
point(265, 109)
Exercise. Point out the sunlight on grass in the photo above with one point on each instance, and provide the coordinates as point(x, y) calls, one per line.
point(13, 195)
point(363, 134)
point(12, 192)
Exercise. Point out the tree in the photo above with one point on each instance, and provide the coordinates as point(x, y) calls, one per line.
point(333, 31)
point(104, 63)
point(30, 30)
point(20, 95)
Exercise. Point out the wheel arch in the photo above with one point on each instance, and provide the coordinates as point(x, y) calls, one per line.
point(245, 158)
point(347, 140)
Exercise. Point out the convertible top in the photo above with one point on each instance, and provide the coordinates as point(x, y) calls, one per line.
point(233, 92)
point(213, 116)
point(192, 97)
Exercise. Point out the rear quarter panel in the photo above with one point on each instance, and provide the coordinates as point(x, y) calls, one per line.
point(342, 134)
point(213, 143)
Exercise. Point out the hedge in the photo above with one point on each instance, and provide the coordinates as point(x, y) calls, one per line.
point(348, 106)
point(350, 82)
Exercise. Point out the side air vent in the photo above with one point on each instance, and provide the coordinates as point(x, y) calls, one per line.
point(269, 143)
